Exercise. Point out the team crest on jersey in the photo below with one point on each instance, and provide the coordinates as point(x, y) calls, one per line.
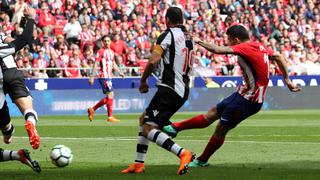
point(155, 112)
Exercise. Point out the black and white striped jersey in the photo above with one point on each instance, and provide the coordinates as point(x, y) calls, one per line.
point(6, 51)
point(177, 59)
point(2, 96)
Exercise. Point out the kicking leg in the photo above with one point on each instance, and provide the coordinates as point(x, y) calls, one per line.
point(200, 121)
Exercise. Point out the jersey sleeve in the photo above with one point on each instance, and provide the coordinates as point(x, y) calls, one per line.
point(164, 40)
point(238, 49)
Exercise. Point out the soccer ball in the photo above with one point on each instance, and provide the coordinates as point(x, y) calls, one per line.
point(61, 155)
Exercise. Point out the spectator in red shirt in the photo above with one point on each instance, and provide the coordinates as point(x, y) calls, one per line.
point(74, 72)
point(118, 45)
point(46, 19)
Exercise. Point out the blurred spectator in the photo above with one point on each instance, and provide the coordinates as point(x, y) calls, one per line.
point(72, 30)
point(71, 70)
point(46, 19)
point(53, 73)
point(18, 11)
point(84, 18)
point(288, 27)
point(27, 73)
point(132, 59)
point(118, 45)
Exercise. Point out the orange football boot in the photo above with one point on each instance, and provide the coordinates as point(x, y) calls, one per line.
point(34, 137)
point(90, 114)
point(113, 119)
point(136, 168)
point(185, 158)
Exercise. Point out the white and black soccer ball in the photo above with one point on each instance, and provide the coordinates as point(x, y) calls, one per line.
point(61, 155)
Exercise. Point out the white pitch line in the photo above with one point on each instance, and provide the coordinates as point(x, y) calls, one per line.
point(181, 140)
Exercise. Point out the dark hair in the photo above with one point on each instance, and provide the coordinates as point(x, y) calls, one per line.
point(238, 31)
point(174, 14)
point(105, 36)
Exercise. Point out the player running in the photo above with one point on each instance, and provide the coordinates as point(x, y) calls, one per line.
point(106, 63)
point(253, 59)
point(172, 53)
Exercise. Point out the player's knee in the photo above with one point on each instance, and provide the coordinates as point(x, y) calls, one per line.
point(221, 131)
point(146, 129)
point(212, 115)
point(145, 132)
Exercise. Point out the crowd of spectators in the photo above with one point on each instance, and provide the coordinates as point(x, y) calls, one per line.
point(69, 32)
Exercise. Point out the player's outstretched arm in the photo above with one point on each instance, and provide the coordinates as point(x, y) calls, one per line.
point(214, 48)
point(281, 62)
point(152, 63)
point(25, 37)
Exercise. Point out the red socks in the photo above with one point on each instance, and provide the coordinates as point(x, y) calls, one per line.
point(195, 122)
point(100, 103)
point(109, 107)
point(108, 102)
point(213, 144)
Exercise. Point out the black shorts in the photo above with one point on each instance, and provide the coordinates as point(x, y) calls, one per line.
point(5, 115)
point(13, 84)
point(163, 105)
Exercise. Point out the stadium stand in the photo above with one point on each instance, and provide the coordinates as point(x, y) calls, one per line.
point(291, 27)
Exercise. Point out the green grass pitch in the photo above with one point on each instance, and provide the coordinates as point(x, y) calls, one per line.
point(270, 145)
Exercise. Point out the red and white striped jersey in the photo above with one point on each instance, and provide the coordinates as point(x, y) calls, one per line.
point(105, 57)
point(87, 35)
point(254, 62)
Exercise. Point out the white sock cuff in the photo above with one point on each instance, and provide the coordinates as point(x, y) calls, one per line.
point(152, 133)
point(30, 111)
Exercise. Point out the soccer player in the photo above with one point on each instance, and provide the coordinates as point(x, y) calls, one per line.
point(21, 155)
point(171, 54)
point(253, 59)
point(13, 79)
point(105, 61)
point(7, 130)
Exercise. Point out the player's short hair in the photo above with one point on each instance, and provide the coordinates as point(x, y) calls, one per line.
point(238, 31)
point(174, 14)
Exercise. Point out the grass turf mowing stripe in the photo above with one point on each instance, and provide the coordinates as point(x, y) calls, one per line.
point(182, 140)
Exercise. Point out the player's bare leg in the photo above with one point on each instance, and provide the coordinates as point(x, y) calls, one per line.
point(7, 133)
point(31, 117)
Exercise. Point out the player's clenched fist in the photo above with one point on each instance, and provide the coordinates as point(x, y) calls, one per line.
point(143, 88)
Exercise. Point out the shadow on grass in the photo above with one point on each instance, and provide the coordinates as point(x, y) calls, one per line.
point(299, 170)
